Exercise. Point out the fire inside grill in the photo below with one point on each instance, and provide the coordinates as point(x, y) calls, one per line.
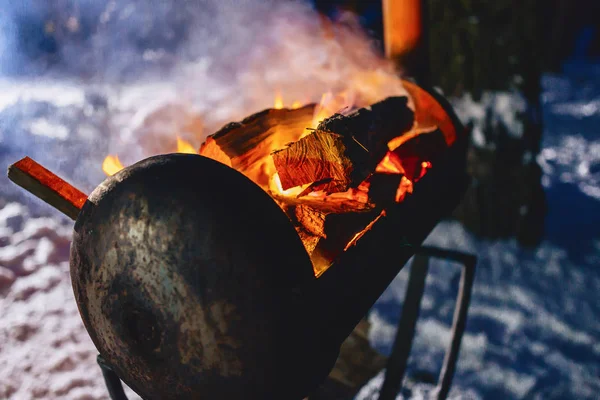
point(332, 173)
point(334, 181)
point(177, 281)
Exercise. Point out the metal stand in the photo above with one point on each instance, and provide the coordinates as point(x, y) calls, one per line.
point(112, 381)
point(410, 313)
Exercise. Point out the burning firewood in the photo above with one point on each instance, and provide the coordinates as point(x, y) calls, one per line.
point(374, 126)
point(335, 203)
point(338, 163)
point(311, 219)
point(246, 145)
point(321, 158)
point(344, 150)
point(339, 229)
point(309, 223)
point(335, 181)
point(324, 233)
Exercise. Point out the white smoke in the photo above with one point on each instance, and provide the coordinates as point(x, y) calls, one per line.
point(154, 70)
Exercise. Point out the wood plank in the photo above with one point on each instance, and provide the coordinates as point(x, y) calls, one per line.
point(47, 186)
point(318, 157)
point(246, 145)
point(344, 150)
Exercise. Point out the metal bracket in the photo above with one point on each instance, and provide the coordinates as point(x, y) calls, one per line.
point(396, 366)
point(112, 381)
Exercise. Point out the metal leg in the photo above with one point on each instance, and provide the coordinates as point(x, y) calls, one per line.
point(459, 321)
point(410, 312)
point(112, 381)
point(394, 373)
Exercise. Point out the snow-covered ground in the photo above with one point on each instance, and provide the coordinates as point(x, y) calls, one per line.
point(534, 322)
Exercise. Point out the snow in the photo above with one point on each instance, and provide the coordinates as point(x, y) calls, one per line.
point(574, 159)
point(493, 109)
point(533, 329)
point(45, 352)
point(532, 320)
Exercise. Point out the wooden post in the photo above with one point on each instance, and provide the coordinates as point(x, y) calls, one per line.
point(405, 37)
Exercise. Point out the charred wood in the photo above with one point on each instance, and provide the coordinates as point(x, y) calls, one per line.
point(345, 149)
point(383, 188)
point(372, 128)
point(311, 219)
point(339, 230)
point(321, 157)
point(246, 145)
point(331, 204)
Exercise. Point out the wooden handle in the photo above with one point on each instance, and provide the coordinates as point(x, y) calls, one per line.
point(44, 184)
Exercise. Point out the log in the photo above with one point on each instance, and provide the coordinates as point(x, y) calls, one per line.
point(339, 230)
point(326, 232)
point(374, 126)
point(320, 157)
point(47, 186)
point(311, 219)
point(246, 145)
point(325, 185)
point(331, 204)
point(309, 240)
point(344, 149)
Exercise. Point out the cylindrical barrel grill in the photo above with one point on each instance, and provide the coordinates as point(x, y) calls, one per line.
point(192, 282)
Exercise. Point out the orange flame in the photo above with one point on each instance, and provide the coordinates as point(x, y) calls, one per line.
point(406, 186)
point(291, 192)
point(425, 165)
point(331, 104)
point(185, 147)
point(278, 104)
point(390, 164)
point(111, 165)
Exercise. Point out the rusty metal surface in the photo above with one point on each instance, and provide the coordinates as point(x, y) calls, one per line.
point(187, 276)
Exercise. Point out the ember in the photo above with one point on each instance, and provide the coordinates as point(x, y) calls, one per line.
point(334, 171)
point(111, 164)
point(185, 147)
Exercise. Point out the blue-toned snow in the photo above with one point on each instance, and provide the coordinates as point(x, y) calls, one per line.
point(534, 323)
